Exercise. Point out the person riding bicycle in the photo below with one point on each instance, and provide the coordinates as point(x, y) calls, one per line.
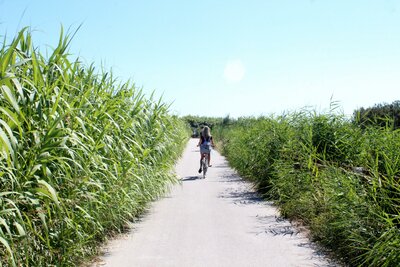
point(205, 142)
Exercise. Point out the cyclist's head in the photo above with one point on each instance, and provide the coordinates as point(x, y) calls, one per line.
point(206, 132)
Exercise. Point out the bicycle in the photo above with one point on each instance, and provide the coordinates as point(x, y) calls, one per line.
point(204, 164)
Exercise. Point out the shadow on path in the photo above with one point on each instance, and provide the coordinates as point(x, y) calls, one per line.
point(242, 197)
point(243, 193)
point(190, 178)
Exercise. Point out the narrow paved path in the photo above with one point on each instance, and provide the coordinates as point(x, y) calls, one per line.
point(217, 221)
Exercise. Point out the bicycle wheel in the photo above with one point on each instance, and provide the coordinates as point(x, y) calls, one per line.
point(205, 166)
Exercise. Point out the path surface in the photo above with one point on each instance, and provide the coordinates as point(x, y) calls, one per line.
point(217, 221)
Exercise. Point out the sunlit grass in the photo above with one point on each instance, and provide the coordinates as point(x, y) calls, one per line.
point(80, 154)
point(321, 169)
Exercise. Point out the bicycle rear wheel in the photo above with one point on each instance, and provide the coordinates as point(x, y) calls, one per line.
point(205, 167)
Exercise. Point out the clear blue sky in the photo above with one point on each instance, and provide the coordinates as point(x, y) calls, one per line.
point(236, 57)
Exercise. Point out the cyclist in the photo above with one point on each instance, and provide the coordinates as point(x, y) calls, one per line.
point(205, 142)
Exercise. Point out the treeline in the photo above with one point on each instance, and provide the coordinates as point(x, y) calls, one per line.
point(382, 115)
point(195, 123)
point(80, 155)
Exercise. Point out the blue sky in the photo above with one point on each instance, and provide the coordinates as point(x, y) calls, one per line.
point(236, 57)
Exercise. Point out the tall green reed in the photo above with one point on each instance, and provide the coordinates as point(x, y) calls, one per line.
point(80, 154)
point(321, 169)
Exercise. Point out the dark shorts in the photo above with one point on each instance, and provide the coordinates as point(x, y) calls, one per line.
point(205, 149)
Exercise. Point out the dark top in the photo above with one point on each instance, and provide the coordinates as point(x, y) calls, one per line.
point(203, 139)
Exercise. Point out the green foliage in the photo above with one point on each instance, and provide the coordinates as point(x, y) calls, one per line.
point(80, 155)
point(381, 115)
point(195, 123)
point(259, 142)
point(340, 180)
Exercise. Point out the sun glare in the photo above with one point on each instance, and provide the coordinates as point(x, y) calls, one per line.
point(234, 71)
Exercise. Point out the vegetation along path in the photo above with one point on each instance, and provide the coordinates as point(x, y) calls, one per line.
point(217, 221)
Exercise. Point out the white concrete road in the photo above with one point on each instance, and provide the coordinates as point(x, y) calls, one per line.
point(217, 221)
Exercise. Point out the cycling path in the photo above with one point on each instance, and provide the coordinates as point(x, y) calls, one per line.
point(217, 221)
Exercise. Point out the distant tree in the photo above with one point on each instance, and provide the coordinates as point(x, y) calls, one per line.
point(196, 123)
point(226, 120)
point(381, 115)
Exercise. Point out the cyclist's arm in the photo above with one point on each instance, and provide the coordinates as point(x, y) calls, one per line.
point(199, 141)
point(212, 142)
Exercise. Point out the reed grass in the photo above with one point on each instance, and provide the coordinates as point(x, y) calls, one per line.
point(338, 179)
point(80, 154)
